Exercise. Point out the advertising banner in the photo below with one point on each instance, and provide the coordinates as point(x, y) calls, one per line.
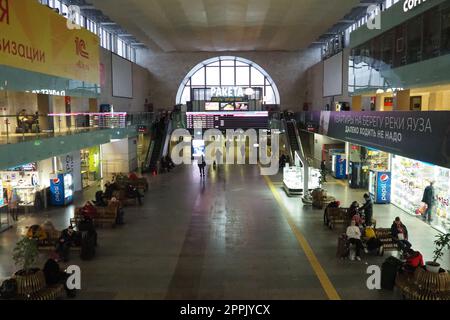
point(383, 187)
point(35, 38)
point(57, 190)
point(423, 136)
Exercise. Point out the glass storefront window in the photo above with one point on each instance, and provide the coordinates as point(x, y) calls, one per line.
point(227, 72)
point(431, 34)
point(445, 46)
point(409, 180)
point(414, 46)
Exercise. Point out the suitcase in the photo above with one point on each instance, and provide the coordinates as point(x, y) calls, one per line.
point(389, 270)
point(88, 246)
point(343, 248)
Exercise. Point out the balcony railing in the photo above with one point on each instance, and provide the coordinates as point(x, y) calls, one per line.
point(25, 127)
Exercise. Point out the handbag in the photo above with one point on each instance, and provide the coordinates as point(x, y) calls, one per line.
point(422, 208)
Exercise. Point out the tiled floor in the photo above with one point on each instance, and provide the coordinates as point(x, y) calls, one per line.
point(222, 238)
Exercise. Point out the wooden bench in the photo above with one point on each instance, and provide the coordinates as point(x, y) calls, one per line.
point(385, 236)
point(124, 200)
point(424, 285)
point(337, 216)
point(140, 183)
point(105, 215)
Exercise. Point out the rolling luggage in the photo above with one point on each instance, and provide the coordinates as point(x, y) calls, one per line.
point(389, 270)
point(343, 248)
point(88, 245)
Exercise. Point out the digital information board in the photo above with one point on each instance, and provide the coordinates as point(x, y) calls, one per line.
point(228, 120)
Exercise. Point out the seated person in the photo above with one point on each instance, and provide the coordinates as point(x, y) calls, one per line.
point(353, 210)
point(400, 235)
point(354, 237)
point(109, 189)
point(373, 243)
point(414, 260)
point(99, 200)
point(89, 210)
point(54, 275)
point(66, 240)
point(133, 176)
point(36, 232)
point(133, 192)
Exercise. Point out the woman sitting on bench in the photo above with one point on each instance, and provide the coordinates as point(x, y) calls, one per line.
point(354, 237)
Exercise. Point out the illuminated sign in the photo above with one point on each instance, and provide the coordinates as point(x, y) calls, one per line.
point(227, 92)
point(50, 92)
point(411, 4)
point(4, 11)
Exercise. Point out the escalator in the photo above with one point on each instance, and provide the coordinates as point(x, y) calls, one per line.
point(155, 150)
point(293, 140)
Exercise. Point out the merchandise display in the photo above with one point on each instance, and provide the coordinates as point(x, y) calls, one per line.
point(293, 180)
point(377, 160)
point(25, 182)
point(409, 180)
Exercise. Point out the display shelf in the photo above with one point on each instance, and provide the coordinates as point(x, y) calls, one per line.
point(411, 177)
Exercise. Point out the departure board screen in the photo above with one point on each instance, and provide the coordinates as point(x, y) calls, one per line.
point(228, 120)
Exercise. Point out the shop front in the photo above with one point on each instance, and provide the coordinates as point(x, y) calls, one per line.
point(409, 180)
point(394, 155)
point(90, 166)
point(24, 182)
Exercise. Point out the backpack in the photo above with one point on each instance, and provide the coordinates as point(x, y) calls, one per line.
point(8, 289)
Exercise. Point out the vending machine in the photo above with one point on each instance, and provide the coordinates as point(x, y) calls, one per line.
point(380, 186)
point(2, 200)
point(339, 166)
point(61, 189)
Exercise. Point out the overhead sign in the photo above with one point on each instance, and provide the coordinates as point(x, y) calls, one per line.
point(411, 4)
point(227, 92)
point(423, 136)
point(35, 38)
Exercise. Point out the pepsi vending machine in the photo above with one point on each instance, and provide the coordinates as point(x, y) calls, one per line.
point(339, 166)
point(61, 189)
point(380, 186)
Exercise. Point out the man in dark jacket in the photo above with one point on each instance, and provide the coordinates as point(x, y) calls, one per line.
point(368, 210)
point(400, 235)
point(428, 198)
point(66, 240)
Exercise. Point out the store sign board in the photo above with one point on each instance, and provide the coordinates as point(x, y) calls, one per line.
point(35, 38)
point(422, 136)
point(409, 5)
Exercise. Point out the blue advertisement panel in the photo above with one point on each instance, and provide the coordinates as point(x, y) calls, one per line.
point(341, 165)
point(2, 201)
point(57, 190)
point(383, 188)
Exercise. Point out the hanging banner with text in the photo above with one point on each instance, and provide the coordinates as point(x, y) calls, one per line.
point(423, 136)
point(35, 38)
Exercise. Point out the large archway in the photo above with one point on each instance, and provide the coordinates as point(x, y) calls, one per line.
point(226, 71)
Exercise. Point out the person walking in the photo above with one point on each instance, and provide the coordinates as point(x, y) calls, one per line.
point(13, 205)
point(201, 166)
point(323, 170)
point(428, 199)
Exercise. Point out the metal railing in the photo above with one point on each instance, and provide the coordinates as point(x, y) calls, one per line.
point(25, 127)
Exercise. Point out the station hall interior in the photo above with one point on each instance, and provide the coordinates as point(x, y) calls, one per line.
point(225, 150)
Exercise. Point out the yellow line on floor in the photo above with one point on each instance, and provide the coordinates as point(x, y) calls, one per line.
point(327, 286)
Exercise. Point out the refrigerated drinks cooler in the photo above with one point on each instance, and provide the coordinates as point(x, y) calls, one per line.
point(380, 186)
point(61, 189)
point(339, 166)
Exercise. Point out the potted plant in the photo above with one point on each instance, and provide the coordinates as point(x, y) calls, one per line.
point(29, 279)
point(442, 243)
